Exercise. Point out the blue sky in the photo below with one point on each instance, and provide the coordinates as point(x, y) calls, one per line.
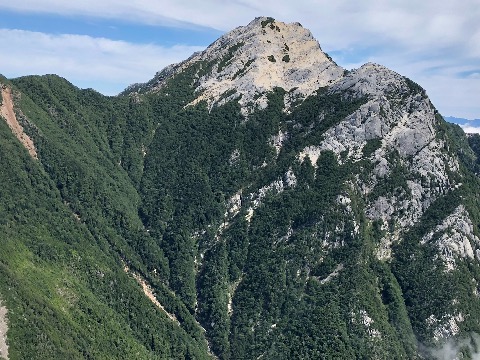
point(107, 45)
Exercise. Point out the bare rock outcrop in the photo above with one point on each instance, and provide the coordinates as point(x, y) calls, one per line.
point(3, 332)
point(8, 113)
point(455, 238)
point(399, 115)
point(256, 58)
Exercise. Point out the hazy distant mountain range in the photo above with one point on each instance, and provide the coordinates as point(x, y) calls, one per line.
point(462, 121)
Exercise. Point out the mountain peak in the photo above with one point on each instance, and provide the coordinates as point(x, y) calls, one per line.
point(254, 59)
point(231, 234)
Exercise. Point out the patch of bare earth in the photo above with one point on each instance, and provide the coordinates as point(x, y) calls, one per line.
point(3, 332)
point(147, 290)
point(7, 112)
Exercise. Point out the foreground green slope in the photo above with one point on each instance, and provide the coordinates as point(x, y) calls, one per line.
point(68, 219)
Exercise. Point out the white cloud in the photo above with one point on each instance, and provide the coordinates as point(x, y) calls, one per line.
point(470, 129)
point(429, 41)
point(85, 60)
point(343, 22)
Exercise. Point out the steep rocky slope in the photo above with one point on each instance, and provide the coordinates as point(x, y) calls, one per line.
point(248, 62)
point(272, 203)
point(7, 112)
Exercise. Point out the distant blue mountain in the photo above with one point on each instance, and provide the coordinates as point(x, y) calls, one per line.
point(462, 121)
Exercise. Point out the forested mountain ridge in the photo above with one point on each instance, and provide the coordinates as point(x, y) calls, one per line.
point(271, 204)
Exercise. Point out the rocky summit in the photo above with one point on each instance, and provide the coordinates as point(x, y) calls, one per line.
point(250, 61)
point(255, 201)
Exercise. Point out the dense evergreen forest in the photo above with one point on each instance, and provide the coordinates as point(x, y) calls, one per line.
point(251, 251)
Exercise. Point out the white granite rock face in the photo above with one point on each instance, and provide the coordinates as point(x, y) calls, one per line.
point(256, 58)
point(404, 123)
point(455, 238)
point(371, 79)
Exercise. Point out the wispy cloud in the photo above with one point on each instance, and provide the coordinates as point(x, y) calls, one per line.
point(163, 12)
point(453, 348)
point(471, 129)
point(343, 22)
point(85, 60)
point(433, 42)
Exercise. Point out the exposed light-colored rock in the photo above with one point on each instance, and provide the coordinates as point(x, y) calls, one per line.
point(147, 290)
point(344, 200)
point(234, 157)
point(257, 58)
point(333, 274)
point(249, 215)
point(285, 238)
point(275, 187)
point(371, 79)
point(404, 122)
point(445, 329)
point(3, 332)
point(287, 181)
point(277, 141)
point(384, 249)
point(231, 293)
point(312, 152)
point(408, 128)
point(8, 113)
point(363, 318)
point(234, 205)
point(455, 237)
